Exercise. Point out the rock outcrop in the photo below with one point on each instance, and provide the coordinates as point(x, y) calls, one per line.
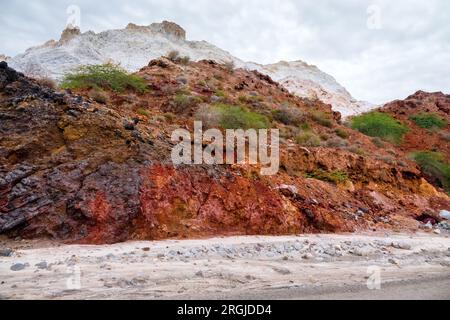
point(80, 171)
point(68, 34)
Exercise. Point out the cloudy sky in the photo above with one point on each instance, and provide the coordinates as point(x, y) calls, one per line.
point(379, 50)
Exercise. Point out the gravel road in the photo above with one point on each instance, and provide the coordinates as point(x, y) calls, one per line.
point(305, 267)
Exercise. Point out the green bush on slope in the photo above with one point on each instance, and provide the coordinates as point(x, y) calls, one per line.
point(434, 165)
point(106, 76)
point(377, 124)
point(429, 121)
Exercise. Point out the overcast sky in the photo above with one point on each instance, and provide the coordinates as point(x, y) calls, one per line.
point(379, 50)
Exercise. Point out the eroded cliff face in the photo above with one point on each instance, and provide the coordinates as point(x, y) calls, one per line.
point(81, 171)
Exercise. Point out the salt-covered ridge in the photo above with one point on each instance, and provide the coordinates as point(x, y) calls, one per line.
point(134, 46)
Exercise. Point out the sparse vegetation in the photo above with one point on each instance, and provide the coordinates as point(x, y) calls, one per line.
point(434, 165)
point(173, 55)
point(99, 96)
point(232, 117)
point(289, 115)
point(184, 60)
point(322, 118)
point(337, 176)
point(184, 101)
point(47, 82)
point(230, 66)
point(378, 142)
point(337, 142)
point(289, 132)
point(308, 139)
point(386, 159)
point(384, 126)
point(221, 94)
point(356, 150)
point(342, 133)
point(106, 76)
point(444, 135)
point(250, 99)
point(238, 117)
point(143, 112)
point(429, 121)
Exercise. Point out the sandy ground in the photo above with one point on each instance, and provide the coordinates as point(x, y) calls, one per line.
point(387, 266)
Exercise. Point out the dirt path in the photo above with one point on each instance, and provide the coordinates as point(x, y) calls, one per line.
point(305, 267)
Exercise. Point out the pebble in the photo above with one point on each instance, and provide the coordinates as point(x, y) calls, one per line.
point(401, 245)
point(394, 261)
point(282, 271)
point(444, 225)
point(199, 274)
point(437, 231)
point(428, 226)
point(42, 265)
point(362, 252)
point(6, 252)
point(19, 266)
point(307, 256)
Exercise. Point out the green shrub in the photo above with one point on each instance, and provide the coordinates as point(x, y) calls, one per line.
point(230, 66)
point(377, 124)
point(183, 102)
point(143, 112)
point(429, 121)
point(289, 115)
point(305, 126)
point(238, 117)
point(47, 82)
point(322, 118)
point(173, 55)
point(378, 142)
point(434, 165)
point(184, 60)
point(342, 133)
point(308, 139)
point(337, 142)
point(250, 99)
point(231, 117)
point(106, 76)
point(221, 94)
point(337, 176)
point(356, 150)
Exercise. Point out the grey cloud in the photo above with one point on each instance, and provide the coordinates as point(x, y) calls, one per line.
point(409, 53)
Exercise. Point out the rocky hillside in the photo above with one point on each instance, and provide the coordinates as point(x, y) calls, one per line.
point(94, 166)
point(134, 46)
point(427, 116)
point(419, 111)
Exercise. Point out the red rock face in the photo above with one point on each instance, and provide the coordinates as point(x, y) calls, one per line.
point(78, 171)
point(193, 202)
